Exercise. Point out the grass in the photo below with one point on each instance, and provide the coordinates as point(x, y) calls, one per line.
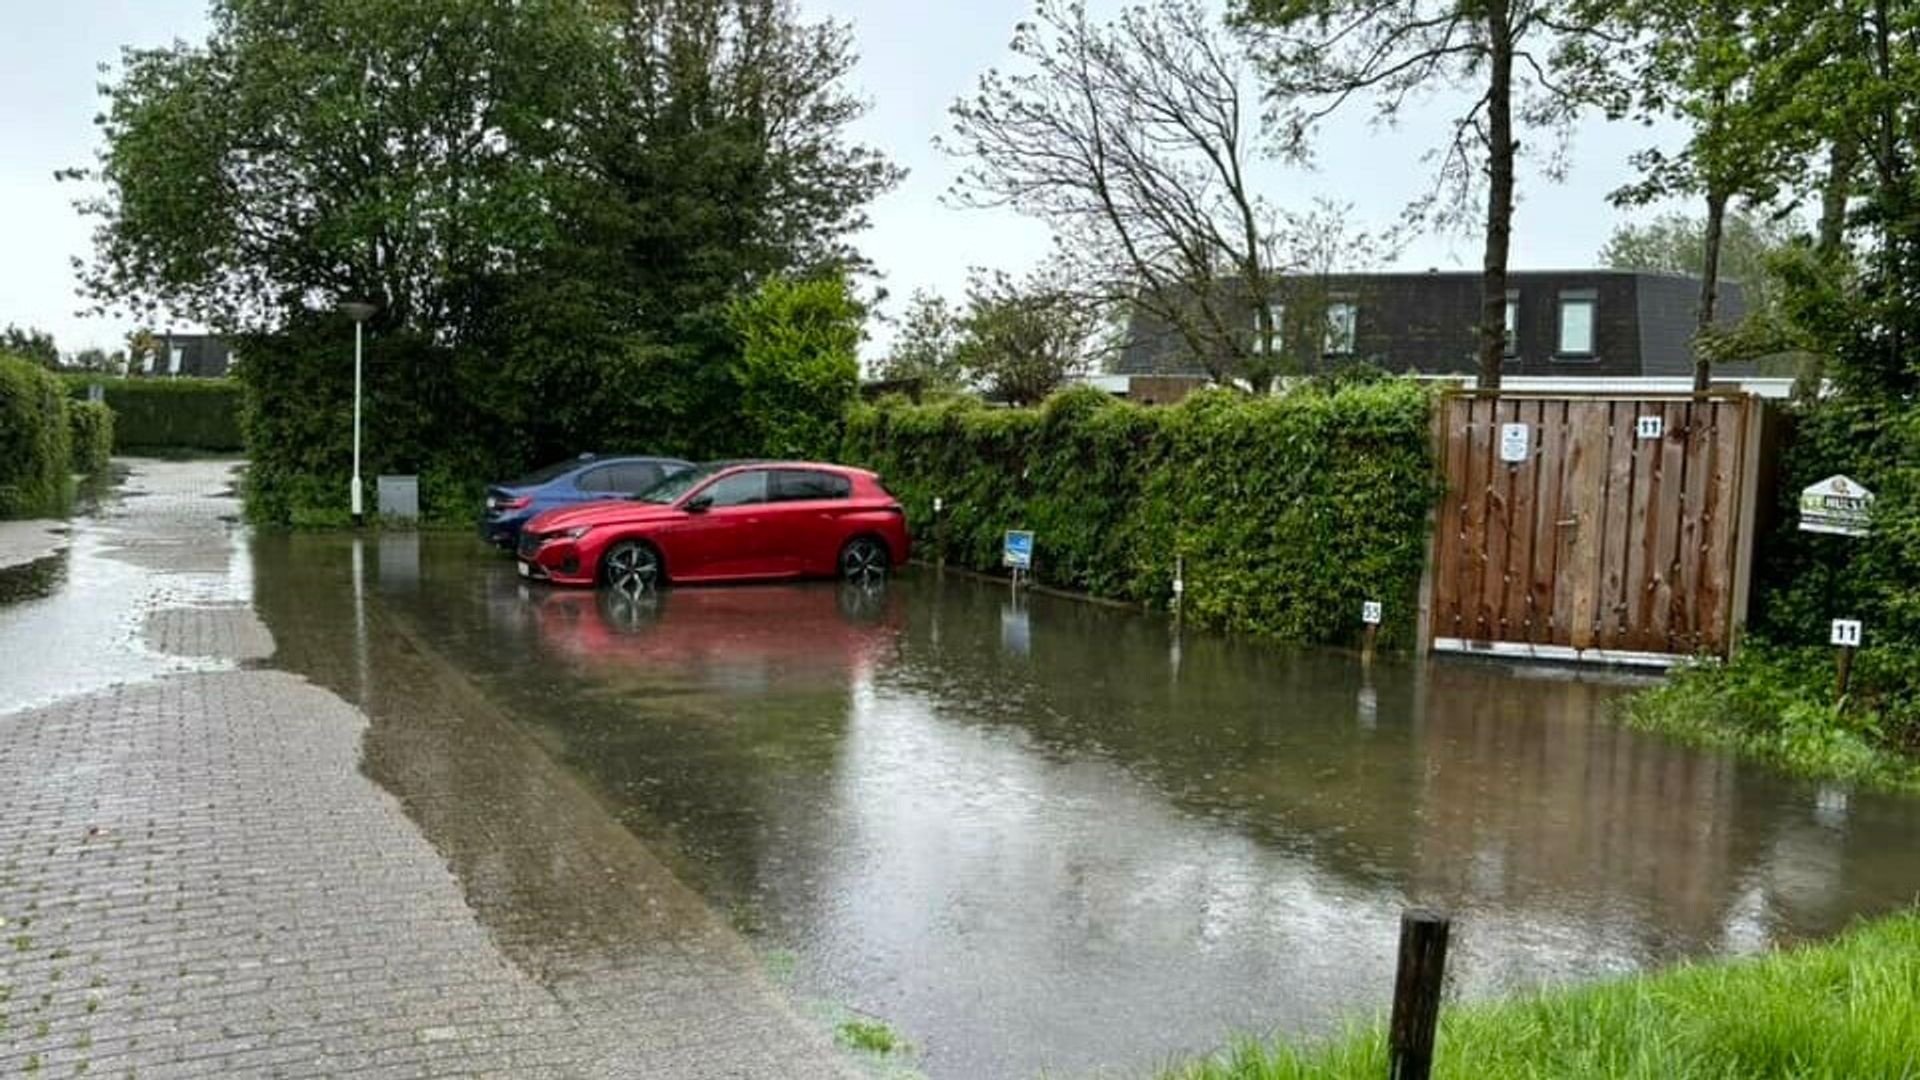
point(869, 1035)
point(1778, 706)
point(1849, 1008)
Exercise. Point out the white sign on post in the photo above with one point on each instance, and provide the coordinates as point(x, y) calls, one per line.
point(1515, 441)
point(1370, 612)
point(1846, 633)
point(1650, 427)
point(1837, 505)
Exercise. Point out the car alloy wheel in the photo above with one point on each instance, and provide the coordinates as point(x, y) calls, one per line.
point(863, 560)
point(632, 567)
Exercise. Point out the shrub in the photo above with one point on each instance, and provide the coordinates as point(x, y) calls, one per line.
point(169, 414)
point(798, 368)
point(91, 424)
point(1287, 511)
point(298, 417)
point(34, 441)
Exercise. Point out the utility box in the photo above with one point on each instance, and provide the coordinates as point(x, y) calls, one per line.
point(399, 498)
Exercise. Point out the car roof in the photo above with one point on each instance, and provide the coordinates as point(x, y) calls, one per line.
point(771, 463)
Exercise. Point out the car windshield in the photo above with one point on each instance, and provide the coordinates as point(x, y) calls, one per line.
point(550, 472)
point(678, 484)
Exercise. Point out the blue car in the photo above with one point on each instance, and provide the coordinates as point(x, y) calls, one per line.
point(587, 478)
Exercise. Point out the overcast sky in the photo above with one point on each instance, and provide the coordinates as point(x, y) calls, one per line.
point(916, 57)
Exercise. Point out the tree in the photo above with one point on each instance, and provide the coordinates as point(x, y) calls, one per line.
point(1132, 140)
point(1733, 73)
point(1530, 63)
point(798, 367)
point(927, 348)
point(399, 151)
point(30, 344)
point(1022, 339)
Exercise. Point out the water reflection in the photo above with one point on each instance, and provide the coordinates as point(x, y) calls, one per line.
point(1037, 834)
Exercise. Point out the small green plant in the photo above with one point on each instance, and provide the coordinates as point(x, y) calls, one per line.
point(871, 1036)
point(21, 942)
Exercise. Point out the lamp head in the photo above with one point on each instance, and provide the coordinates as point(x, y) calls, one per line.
point(358, 310)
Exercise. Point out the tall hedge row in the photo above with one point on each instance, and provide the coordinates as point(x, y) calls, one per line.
point(1288, 512)
point(90, 426)
point(34, 440)
point(169, 414)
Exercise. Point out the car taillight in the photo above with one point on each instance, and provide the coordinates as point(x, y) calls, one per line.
point(894, 508)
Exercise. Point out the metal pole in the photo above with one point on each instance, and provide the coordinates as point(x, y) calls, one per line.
point(359, 517)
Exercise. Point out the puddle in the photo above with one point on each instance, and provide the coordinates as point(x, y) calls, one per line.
point(1043, 836)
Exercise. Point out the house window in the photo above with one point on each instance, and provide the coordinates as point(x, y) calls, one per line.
point(1576, 323)
point(1512, 332)
point(1275, 334)
point(1342, 319)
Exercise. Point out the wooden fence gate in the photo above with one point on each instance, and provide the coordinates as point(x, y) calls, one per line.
point(1614, 529)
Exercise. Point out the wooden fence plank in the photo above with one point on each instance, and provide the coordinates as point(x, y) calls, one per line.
point(1583, 506)
point(1716, 569)
point(1551, 540)
point(1686, 621)
point(1517, 606)
point(1447, 548)
point(1617, 515)
point(1664, 565)
point(1480, 455)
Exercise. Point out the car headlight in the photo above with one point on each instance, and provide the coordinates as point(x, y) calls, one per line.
point(578, 532)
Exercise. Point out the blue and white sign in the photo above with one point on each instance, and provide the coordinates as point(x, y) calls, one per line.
point(1018, 552)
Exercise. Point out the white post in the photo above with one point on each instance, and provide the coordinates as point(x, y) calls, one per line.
point(359, 516)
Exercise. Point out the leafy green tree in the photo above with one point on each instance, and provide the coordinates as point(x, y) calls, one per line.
point(1525, 64)
point(927, 348)
point(799, 366)
point(398, 151)
point(30, 344)
point(1022, 339)
point(1733, 71)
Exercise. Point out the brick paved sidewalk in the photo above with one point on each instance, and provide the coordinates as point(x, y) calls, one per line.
point(197, 878)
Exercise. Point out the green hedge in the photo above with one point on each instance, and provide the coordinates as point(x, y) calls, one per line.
point(91, 426)
point(34, 441)
point(1288, 511)
point(169, 414)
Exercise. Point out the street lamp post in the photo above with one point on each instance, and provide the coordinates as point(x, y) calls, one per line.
point(359, 311)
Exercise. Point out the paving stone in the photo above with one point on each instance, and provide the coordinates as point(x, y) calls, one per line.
point(198, 878)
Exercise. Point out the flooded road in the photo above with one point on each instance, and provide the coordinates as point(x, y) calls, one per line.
point(1048, 836)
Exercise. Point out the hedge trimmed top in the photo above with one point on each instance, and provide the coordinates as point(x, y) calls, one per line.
point(1286, 512)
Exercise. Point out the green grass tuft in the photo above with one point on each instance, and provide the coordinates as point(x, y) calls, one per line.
point(869, 1035)
point(1850, 1008)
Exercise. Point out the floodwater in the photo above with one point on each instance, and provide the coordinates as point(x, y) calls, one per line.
point(1035, 835)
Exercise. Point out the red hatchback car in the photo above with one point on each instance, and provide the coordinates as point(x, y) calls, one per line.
point(731, 521)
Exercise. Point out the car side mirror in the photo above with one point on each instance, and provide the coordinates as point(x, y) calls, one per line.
point(699, 504)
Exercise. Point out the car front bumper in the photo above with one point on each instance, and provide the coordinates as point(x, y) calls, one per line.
point(557, 560)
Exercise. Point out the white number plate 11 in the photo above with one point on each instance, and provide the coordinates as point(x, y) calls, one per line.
point(1846, 632)
point(1650, 427)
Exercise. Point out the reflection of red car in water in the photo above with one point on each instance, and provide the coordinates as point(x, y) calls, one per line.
point(808, 629)
point(724, 522)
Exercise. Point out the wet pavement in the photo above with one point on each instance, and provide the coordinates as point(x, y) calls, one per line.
point(372, 806)
point(1039, 835)
point(200, 874)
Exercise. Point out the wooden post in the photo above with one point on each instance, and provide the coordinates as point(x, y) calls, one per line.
point(1844, 662)
point(1416, 994)
point(1366, 642)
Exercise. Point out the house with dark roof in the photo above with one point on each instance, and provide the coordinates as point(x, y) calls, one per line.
point(1560, 323)
point(204, 356)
